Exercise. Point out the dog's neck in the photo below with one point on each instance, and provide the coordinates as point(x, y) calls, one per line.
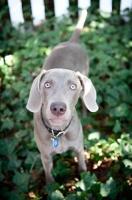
point(54, 134)
point(56, 129)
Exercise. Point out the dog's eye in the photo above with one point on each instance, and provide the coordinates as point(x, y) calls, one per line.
point(73, 87)
point(47, 85)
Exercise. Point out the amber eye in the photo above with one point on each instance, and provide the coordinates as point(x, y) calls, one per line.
point(47, 85)
point(73, 87)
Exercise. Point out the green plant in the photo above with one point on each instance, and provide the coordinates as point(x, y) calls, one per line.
point(107, 133)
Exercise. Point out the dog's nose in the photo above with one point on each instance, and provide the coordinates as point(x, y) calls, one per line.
point(58, 108)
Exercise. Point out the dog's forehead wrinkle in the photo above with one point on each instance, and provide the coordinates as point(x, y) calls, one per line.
point(60, 75)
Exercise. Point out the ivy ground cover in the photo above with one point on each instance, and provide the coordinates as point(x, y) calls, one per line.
point(107, 133)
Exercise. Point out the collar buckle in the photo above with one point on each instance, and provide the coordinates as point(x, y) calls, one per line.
point(60, 133)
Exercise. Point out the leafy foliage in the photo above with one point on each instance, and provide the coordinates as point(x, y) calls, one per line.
point(107, 133)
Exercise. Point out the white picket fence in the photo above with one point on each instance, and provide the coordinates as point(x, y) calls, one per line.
point(60, 8)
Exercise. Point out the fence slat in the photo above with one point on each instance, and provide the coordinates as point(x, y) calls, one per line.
point(38, 11)
point(105, 6)
point(125, 4)
point(60, 7)
point(16, 13)
point(84, 4)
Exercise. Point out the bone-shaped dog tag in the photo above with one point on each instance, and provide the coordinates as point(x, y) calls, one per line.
point(55, 142)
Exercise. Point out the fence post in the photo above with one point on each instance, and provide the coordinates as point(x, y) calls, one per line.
point(125, 4)
point(16, 13)
point(105, 6)
point(60, 7)
point(38, 11)
point(84, 4)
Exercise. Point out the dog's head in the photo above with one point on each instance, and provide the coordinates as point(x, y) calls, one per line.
point(58, 90)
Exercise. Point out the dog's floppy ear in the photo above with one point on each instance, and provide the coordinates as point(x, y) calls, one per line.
point(34, 102)
point(88, 92)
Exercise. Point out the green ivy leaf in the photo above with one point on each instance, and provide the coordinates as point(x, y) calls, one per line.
point(87, 180)
point(14, 163)
point(19, 86)
point(7, 124)
point(127, 163)
point(22, 133)
point(7, 147)
point(62, 169)
point(52, 187)
point(57, 195)
point(21, 180)
point(17, 195)
point(109, 189)
point(76, 197)
point(21, 114)
point(121, 110)
point(117, 127)
point(31, 159)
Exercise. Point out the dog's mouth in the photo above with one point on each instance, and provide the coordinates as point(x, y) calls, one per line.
point(57, 121)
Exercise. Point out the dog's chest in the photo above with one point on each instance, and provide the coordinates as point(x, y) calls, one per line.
point(63, 145)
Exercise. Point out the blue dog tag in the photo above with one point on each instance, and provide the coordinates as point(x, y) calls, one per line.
point(55, 142)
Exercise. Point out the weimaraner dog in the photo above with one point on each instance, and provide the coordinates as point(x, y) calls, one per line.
point(53, 96)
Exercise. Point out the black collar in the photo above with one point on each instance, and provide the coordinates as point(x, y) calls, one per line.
point(54, 133)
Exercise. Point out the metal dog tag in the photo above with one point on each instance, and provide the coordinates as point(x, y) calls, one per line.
point(55, 142)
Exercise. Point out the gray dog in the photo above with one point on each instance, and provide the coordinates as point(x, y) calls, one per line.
point(53, 96)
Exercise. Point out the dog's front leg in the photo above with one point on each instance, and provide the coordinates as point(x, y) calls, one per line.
point(48, 165)
point(81, 160)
